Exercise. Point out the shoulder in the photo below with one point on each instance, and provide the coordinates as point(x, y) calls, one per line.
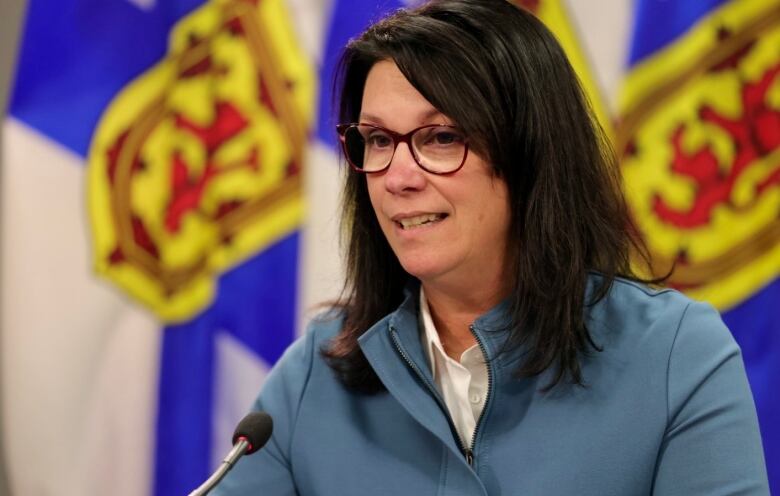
point(305, 350)
point(291, 373)
point(660, 333)
point(635, 311)
point(636, 302)
point(677, 356)
point(678, 349)
point(326, 325)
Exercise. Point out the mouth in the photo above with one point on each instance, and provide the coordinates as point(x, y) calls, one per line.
point(417, 221)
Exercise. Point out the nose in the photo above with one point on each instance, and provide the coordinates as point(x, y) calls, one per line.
point(404, 175)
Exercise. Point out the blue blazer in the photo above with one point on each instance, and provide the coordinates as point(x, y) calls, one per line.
point(666, 410)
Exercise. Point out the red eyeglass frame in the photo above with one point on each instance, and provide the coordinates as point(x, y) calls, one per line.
point(397, 138)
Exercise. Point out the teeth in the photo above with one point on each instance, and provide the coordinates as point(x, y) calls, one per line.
point(419, 220)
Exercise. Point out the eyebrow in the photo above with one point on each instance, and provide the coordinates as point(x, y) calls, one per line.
point(423, 118)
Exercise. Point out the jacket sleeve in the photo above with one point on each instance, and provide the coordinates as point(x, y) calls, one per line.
point(269, 470)
point(712, 444)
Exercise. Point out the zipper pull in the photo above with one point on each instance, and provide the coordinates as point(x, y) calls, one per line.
point(469, 457)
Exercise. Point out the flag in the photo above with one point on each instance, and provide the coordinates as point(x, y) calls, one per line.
point(699, 140)
point(157, 160)
point(560, 19)
point(158, 253)
point(697, 128)
point(152, 209)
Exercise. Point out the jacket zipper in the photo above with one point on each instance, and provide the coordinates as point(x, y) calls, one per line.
point(432, 389)
point(468, 451)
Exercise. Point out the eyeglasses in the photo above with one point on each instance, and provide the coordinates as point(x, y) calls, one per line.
point(436, 148)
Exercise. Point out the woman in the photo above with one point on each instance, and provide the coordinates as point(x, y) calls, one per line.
point(492, 338)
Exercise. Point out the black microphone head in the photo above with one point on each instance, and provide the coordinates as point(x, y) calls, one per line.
point(256, 428)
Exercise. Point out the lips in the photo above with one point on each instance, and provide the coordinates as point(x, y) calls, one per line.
point(415, 221)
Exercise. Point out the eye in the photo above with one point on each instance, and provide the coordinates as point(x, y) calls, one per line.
point(378, 140)
point(443, 137)
point(446, 138)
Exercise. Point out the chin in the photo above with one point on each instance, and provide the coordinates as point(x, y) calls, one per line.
point(423, 269)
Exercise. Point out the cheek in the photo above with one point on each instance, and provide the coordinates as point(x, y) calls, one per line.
point(376, 196)
point(374, 192)
point(494, 214)
point(490, 206)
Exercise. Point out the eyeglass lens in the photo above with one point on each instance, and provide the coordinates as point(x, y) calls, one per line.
point(439, 149)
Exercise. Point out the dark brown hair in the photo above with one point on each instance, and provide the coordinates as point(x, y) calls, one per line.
point(499, 73)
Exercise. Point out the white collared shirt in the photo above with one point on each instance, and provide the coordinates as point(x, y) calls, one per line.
point(463, 384)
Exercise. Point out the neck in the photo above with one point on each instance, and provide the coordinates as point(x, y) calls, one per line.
point(454, 310)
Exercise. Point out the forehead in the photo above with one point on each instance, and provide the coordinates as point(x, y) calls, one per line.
point(389, 98)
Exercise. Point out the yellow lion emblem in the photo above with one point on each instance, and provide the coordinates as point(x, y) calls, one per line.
point(198, 163)
point(700, 139)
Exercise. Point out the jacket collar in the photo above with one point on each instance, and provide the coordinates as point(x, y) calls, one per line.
point(394, 349)
point(392, 346)
point(491, 329)
point(399, 332)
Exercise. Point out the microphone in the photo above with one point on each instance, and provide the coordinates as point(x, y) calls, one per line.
point(251, 434)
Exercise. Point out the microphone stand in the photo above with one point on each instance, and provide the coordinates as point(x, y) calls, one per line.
point(239, 449)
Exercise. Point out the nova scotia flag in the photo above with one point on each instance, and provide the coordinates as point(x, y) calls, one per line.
point(157, 160)
point(169, 219)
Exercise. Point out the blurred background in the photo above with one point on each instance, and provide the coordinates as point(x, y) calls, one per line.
point(169, 190)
